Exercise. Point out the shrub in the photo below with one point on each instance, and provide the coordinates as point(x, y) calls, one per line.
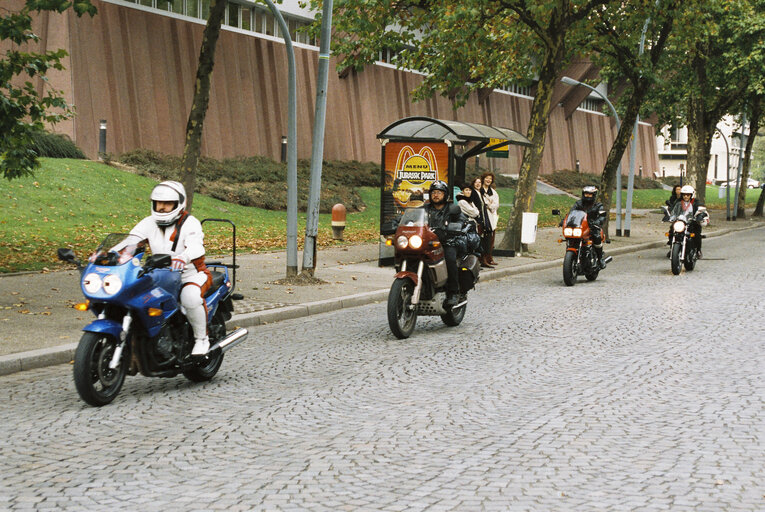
point(572, 181)
point(262, 182)
point(55, 145)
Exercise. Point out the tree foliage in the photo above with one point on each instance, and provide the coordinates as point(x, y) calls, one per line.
point(713, 76)
point(465, 45)
point(25, 110)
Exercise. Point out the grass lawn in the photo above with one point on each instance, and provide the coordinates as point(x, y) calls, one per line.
point(75, 203)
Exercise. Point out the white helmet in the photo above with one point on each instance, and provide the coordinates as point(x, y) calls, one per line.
point(687, 189)
point(169, 191)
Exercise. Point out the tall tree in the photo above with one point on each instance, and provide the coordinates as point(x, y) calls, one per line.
point(24, 109)
point(193, 145)
point(753, 119)
point(718, 69)
point(616, 48)
point(465, 45)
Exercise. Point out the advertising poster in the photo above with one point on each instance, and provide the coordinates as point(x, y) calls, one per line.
point(409, 169)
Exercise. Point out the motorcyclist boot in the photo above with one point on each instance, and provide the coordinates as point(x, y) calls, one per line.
point(201, 346)
point(599, 254)
point(451, 300)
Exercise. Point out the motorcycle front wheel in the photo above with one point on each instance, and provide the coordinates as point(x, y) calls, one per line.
point(690, 259)
point(454, 316)
point(212, 361)
point(569, 268)
point(676, 248)
point(401, 318)
point(96, 383)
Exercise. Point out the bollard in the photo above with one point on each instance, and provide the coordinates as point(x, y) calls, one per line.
point(102, 138)
point(338, 221)
point(284, 149)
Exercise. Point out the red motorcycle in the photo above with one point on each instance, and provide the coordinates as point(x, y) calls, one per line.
point(419, 287)
point(580, 255)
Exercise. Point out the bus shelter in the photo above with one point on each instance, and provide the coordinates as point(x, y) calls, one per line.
point(419, 150)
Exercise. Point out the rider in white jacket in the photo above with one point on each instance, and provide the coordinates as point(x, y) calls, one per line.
point(170, 229)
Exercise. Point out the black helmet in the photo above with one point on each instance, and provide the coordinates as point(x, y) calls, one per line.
point(439, 185)
point(589, 194)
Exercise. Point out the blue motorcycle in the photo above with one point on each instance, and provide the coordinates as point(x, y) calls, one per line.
point(139, 325)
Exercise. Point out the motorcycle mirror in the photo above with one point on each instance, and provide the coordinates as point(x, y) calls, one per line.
point(159, 261)
point(65, 254)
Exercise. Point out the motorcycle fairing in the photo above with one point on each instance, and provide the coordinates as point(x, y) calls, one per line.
point(105, 326)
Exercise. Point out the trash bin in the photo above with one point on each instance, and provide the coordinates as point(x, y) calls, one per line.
point(529, 227)
point(721, 192)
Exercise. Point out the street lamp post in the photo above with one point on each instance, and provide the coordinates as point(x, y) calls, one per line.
point(727, 174)
point(570, 81)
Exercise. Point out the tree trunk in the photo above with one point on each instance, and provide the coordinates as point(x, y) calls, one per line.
point(532, 155)
point(608, 178)
point(193, 146)
point(753, 123)
point(700, 131)
point(760, 204)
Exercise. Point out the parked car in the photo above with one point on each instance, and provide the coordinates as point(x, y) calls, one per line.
point(750, 183)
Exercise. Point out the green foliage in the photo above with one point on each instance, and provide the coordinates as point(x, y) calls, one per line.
point(55, 145)
point(261, 182)
point(23, 110)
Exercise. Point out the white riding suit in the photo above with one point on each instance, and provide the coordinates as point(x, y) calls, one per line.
point(187, 251)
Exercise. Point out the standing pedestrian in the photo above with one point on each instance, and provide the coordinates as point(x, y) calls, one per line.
point(484, 225)
point(491, 200)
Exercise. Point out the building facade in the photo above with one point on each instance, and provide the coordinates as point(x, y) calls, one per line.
point(725, 153)
point(134, 64)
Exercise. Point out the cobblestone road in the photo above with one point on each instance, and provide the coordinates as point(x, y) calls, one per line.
point(639, 391)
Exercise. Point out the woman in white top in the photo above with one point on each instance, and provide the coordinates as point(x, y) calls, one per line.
point(491, 200)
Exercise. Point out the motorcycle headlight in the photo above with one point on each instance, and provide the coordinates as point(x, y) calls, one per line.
point(577, 231)
point(112, 284)
point(91, 283)
point(568, 232)
point(415, 241)
point(402, 242)
point(678, 226)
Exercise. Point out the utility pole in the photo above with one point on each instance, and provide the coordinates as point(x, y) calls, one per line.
point(317, 152)
point(291, 146)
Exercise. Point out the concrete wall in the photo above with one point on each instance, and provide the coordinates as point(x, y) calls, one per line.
point(136, 69)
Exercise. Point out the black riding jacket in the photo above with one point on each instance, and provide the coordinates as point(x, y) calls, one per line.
point(596, 212)
point(439, 219)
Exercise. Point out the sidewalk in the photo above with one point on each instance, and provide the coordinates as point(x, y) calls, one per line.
point(38, 326)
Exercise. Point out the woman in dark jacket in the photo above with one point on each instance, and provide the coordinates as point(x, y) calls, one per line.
point(674, 197)
point(484, 224)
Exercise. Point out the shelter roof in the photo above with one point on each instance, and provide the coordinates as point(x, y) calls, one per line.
point(427, 128)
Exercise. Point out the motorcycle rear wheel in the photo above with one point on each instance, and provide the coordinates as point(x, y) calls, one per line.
point(401, 318)
point(690, 259)
point(454, 316)
point(569, 268)
point(207, 370)
point(96, 383)
point(676, 248)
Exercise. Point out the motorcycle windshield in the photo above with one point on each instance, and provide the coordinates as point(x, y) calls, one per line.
point(575, 218)
point(117, 249)
point(414, 217)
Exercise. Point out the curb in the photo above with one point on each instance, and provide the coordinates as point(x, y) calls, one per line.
point(20, 361)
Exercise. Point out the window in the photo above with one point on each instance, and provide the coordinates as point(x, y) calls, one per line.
point(192, 8)
point(176, 6)
point(233, 15)
point(246, 14)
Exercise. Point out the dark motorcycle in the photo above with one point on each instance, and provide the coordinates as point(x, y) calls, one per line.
point(683, 252)
point(139, 326)
point(419, 287)
point(580, 255)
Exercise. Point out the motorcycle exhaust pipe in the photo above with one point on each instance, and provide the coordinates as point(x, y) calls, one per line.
point(608, 259)
point(230, 341)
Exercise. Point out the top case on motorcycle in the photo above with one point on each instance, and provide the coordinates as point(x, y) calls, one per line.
point(468, 274)
point(217, 281)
